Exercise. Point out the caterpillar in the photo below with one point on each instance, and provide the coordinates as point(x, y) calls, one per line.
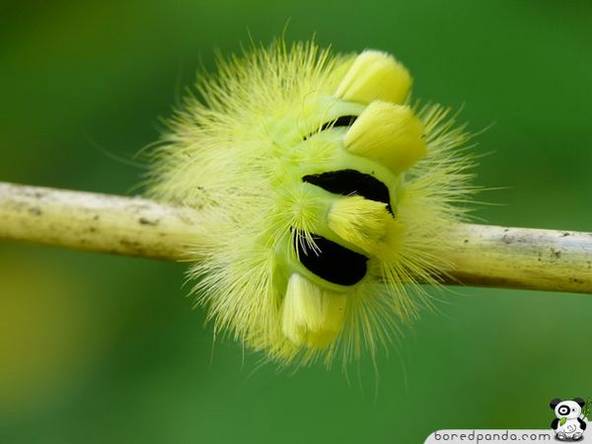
point(323, 192)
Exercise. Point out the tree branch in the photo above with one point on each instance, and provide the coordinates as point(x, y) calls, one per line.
point(482, 255)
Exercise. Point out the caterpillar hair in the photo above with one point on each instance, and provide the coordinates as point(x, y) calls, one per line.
point(323, 192)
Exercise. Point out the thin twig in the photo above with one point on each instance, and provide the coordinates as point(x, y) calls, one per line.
point(482, 255)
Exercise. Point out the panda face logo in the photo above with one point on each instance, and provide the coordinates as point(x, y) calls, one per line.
point(568, 409)
point(569, 424)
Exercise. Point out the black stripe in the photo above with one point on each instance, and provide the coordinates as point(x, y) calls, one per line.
point(339, 122)
point(347, 182)
point(331, 261)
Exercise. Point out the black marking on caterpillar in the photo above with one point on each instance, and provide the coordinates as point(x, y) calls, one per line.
point(348, 182)
point(331, 261)
point(341, 121)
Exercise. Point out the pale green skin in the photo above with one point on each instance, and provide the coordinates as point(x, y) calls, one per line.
point(299, 161)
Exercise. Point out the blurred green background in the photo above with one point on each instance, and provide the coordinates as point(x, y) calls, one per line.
point(102, 349)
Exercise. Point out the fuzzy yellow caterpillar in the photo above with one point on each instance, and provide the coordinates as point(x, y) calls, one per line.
point(323, 195)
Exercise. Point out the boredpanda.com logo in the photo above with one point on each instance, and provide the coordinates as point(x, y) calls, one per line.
point(570, 418)
point(572, 422)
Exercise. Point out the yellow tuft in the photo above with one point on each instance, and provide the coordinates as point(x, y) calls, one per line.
point(390, 134)
point(360, 221)
point(311, 316)
point(375, 75)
